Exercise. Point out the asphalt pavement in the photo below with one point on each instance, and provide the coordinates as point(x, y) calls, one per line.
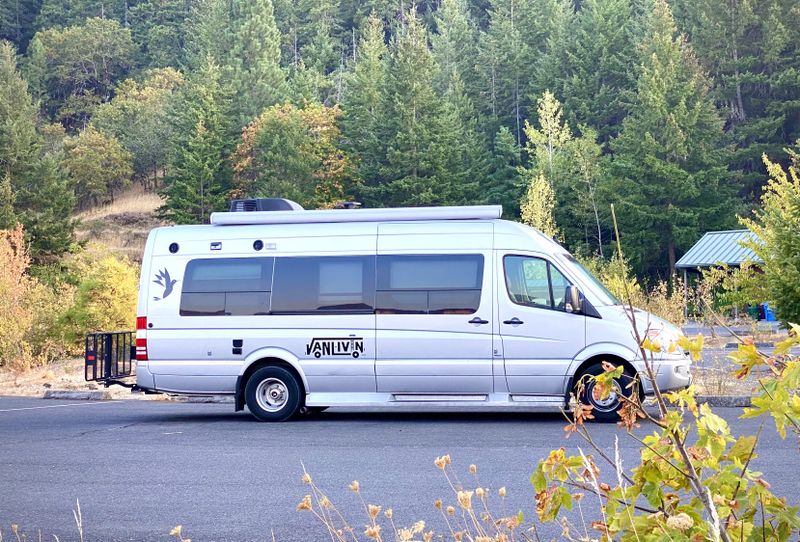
point(141, 467)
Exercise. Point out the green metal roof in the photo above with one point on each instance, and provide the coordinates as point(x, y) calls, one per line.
point(716, 247)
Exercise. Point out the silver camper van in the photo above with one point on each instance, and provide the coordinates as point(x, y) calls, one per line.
point(295, 310)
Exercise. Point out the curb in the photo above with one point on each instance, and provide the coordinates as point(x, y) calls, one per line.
point(200, 398)
point(77, 395)
point(757, 345)
point(725, 400)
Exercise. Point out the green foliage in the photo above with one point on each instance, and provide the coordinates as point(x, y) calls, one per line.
point(98, 166)
point(504, 185)
point(105, 300)
point(138, 116)
point(293, 153)
point(778, 245)
point(42, 201)
point(538, 205)
point(362, 117)
point(80, 66)
point(668, 177)
point(257, 77)
point(199, 174)
point(159, 31)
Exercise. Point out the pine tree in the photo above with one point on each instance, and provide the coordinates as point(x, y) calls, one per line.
point(504, 60)
point(749, 48)
point(8, 218)
point(42, 200)
point(455, 46)
point(411, 112)
point(158, 28)
point(538, 206)
point(362, 121)
point(259, 81)
point(199, 174)
point(668, 173)
point(464, 159)
point(208, 33)
point(504, 185)
point(589, 64)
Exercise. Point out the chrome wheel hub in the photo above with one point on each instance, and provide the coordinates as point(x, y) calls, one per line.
point(272, 394)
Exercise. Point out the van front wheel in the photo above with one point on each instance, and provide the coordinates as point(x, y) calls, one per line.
point(272, 394)
point(604, 409)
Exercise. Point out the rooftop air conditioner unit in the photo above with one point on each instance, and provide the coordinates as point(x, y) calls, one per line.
point(264, 204)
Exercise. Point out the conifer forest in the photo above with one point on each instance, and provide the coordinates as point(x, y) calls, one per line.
point(554, 109)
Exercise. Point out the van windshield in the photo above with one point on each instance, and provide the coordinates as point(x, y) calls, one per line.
point(605, 295)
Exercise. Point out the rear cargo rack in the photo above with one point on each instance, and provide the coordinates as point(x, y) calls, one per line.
point(108, 356)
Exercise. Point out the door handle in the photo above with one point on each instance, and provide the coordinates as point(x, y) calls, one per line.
point(514, 321)
point(477, 320)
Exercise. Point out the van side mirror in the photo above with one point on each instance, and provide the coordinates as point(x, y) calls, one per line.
point(574, 300)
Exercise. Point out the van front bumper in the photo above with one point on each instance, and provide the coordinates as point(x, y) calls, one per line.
point(672, 372)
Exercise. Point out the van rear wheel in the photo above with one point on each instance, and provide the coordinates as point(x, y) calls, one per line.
point(604, 409)
point(272, 394)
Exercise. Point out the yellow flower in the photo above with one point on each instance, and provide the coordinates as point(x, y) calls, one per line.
point(355, 486)
point(325, 502)
point(427, 537)
point(465, 499)
point(437, 504)
point(176, 531)
point(418, 527)
point(451, 510)
point(388, 513)
point(306, 478)
point(440, 463)
point(473, 469)
point(502, 491)
point(480, 492)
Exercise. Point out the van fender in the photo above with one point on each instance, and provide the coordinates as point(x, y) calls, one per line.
point(264, 353)
point(601, 349)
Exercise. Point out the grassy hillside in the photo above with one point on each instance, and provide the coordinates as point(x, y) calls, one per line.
point(124, 224)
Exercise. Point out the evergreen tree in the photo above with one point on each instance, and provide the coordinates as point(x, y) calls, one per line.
point(464, 161)
point(668, 173)
point(45, 202)
point(362, 121)
point(504, 60)
point(8, 218)
point(749, 48)
point(158, 28)
point(590, 64)
point(259, 81)
point(42, 199)
point(199, 174)
point(455, 46)
point(16, 21)
point(208, 33)
point(504, 185)
point(411, 113)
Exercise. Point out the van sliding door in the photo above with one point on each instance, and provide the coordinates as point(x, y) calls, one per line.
point(434, 309)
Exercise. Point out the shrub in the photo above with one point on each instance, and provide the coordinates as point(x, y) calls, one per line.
point(664, 299)
point(776, 225)
point(30, 309)
point(105, 299)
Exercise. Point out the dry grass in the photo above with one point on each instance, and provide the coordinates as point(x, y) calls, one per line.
point(124, 224)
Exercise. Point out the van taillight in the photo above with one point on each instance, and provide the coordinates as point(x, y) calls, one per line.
point(141, 341)
point(141, 349)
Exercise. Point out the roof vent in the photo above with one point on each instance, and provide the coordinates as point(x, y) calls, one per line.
point(264, 204)
point(348, 205)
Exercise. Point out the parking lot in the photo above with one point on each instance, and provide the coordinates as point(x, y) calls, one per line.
point(141, 467)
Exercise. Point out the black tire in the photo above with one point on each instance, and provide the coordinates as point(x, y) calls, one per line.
point(273, 394)
point(603, 410)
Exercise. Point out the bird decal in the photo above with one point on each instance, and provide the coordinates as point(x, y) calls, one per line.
point(163, 279)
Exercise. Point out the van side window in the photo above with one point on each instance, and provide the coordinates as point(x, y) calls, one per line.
point(436, 284)
point(227, 286)
point(534, 282)
point(325, 284)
